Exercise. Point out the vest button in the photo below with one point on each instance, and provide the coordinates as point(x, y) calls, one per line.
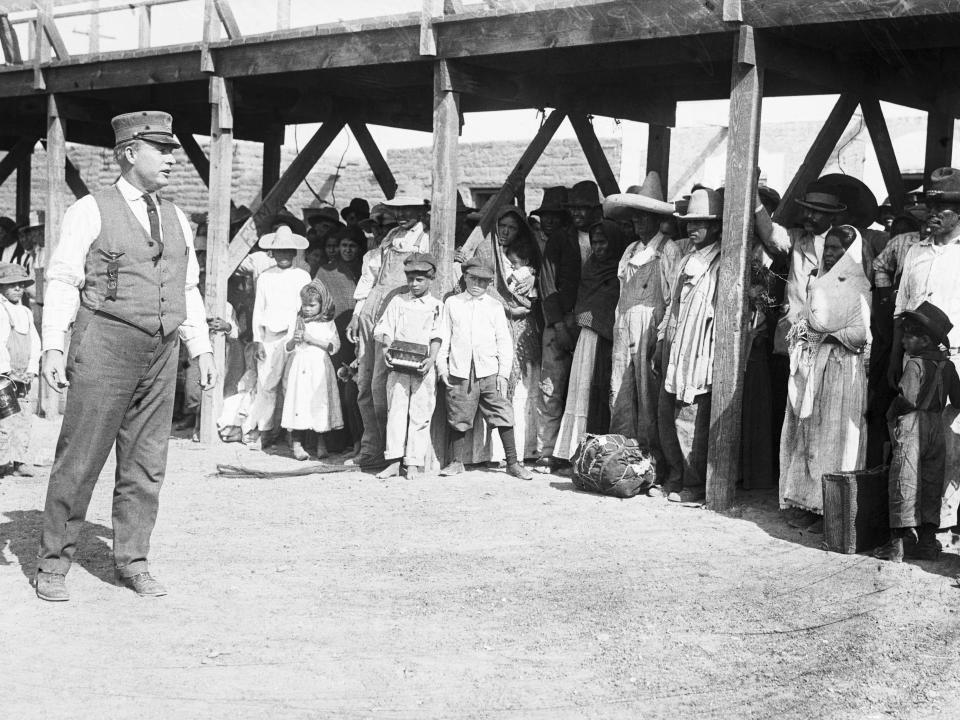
point(150, 243)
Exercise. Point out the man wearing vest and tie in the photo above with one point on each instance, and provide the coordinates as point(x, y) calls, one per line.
point(125, 274)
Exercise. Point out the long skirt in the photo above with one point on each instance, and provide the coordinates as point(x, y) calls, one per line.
point(587, 409)
point(757, 447)
point(311, 399)
point(832, 437)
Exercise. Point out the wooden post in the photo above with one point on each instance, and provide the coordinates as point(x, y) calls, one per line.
point(24, 187)
point(658, 154)
point(817, 155)
point(272, 155)
point(939, 150)
point(283, 14)
point(375, 159)
point(595, 156)
point(883, 145)
point(93, 38)
point(9, 41)
point(56, 187)
point(143, 23)
point(732, 337)
point(218, 239)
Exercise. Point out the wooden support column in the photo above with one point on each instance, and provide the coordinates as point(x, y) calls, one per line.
point(595, 156)
point(218, 239)
point(272, 155)
point(818, 154)
point(281, 192)
point(732, 337)
point(144, 22)
point(11, 161)
point(198, 158)
point(283, 14)
point(883, 145)
point(24, 187)
point(939, 149)
point(56, 188)
point(375, 159)
point(658, 154)
point(9, 41)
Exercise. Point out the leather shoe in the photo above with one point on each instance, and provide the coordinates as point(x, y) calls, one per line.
point(52, 587)
point(517, 470)
point(143, 585)
point(454, 468)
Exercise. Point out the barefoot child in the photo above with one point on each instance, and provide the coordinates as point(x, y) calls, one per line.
point(20, 361)
point(275, 310)
point(412, 317)
point(311, 400)
point(476, 355)
point(917, 467)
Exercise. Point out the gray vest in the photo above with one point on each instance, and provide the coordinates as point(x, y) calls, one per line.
point(149, 295)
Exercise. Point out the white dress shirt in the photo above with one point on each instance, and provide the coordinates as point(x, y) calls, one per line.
point(475, 331)
point(930, 273)
point(65, 273)
point(277, 301)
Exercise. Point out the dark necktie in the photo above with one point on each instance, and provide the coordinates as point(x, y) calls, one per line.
point(154, 218)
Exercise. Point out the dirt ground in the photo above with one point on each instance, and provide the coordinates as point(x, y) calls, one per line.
point(482, 596)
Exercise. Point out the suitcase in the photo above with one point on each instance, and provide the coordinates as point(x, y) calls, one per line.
point(856, 515)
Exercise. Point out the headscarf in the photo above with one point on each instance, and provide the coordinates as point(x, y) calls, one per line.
point(327, 307)
point(599, 289)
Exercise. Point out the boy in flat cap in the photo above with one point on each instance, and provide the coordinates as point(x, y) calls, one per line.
point(410, 317)
point(476, 355)
point(125, 269)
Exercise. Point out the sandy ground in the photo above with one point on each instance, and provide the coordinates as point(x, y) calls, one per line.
point(343, 596)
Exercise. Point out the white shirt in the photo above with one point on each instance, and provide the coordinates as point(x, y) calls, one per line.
point(256, 262)
point(410, 319)
point(412, 239)
point(65, 273)
point(930, 273)
point(475, 331)
point(369, 269)
point(22, 321)
point(277, 300)
point(583, 239)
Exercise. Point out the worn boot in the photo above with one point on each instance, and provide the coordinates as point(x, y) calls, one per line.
point(52, 587)
point(893, 550)
point(928, 547)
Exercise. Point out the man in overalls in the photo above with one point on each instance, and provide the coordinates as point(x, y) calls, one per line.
point(125, 269)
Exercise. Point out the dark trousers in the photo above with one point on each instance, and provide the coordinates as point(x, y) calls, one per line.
point(684, 438)
point(122, 384)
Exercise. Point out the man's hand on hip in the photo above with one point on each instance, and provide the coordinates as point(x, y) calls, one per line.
point(53, 370)
point(208, 371)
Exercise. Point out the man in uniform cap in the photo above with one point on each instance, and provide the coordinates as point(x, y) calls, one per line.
point(125, 267)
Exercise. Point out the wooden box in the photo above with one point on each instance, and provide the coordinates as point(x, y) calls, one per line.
point(407, 356)
point(856, 514)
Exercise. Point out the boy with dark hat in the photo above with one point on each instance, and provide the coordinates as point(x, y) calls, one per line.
point(476, 355)
point(413, 318)
point(917, 469)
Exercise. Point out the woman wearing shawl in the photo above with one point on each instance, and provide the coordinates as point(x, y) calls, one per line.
point(824, 427)
point(588, 397)
point(311, 400)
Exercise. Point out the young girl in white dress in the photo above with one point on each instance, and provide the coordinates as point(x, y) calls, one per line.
point(311, 400)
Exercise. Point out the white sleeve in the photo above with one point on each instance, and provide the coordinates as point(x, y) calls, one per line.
point(193, 331)
point(4, 338)
point(65, 273)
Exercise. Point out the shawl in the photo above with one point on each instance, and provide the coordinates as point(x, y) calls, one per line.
point(327, 307)
point(340, 283)
point(599, 290)
point(838, 305)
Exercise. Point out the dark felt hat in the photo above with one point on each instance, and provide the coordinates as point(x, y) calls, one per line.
point(823, 200)
point(478, 268)
point(13, 274)
point(584, 194)
point(862, 208)
point(151, 125)
point(768, 194)
point(358, 207)
point(554, 200)
point(944, 185)
point(312, 215)
point(420, 262)
point(933, 319)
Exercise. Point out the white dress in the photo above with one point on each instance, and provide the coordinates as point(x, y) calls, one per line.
point(311, 398)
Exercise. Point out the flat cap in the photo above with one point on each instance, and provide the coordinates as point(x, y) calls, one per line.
point(420, 262)
point(152, 125)
point(478, 267)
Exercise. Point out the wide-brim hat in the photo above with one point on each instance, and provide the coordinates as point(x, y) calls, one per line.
point(862, 207)
point(769, 195)
point(704, 204)
point(151, 125)
point(554, 200)
point(933, 319)
point(358, 207)
point(400, 201)
point(584, 194)
point(313, 214)
point(944, 185)
point(478, 268)
point(647, 198)
point(420, 262)
point(826, 202)
point(13, 274)
point(283, 239)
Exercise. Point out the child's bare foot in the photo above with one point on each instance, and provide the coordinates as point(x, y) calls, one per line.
point(391, 470)
point(321, 448)
point(298, 452)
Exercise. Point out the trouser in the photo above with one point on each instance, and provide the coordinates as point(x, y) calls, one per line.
point(684, 437)
point(917, 467)
point(410, 402)
point(634, 389)
point(191, 388)
point(368, 357)
point(122, 385)
point(264, 411)
point(554, 376)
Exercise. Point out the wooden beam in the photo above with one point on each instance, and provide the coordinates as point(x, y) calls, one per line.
point(93, 36)
point(218, 241)
point(818, 154)
point(50, 29)
point(74, 180)
point(9, 42)
point(53, 218)
point(732, 11)
point(428, 36)
point(691, 170)
point(658, 155)
point(211, 32)
point(41, 54)
point(732, 336)
point(375, 159)
point(11, 161)
point(272, 156)
point(883, 145)
point(196, 155)
point(144, 23)
point(225, 13)
point(939, 146)
point(281, 192)
point(778, 13)
point(283, 14)
point(595, 156)
point(24, 187)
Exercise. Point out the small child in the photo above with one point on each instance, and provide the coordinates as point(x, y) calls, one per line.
point(411, 396)
point(275, 309)
point(20, 361)
point(520, 258)
point(474, 362)
point(917, 468)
